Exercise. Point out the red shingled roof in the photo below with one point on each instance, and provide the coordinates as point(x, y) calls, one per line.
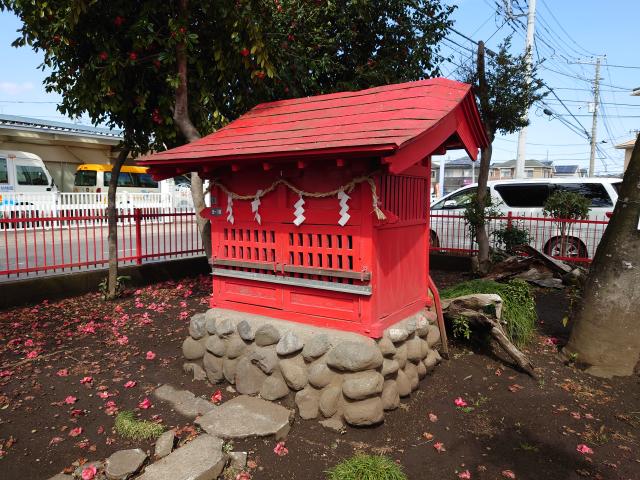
point(379, 121)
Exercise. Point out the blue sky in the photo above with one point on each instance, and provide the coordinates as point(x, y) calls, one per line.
point(568, 31)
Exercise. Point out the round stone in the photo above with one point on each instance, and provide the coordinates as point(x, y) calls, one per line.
point(433, 336)
point(387, 347)
point(235, 347)
point(210, 321)
point(401, 355)
point(403, 384)
point(224, 327)
point(320, 375)
point(266, 335)
point(274, 388)
point(411, 324)
point(213, 367)
point(412, 374)
point(364, 412)
point(229, 367)
point(397, 334)
point(316, 346)
point(329, 400)
point(359, 386)
point(354, 356)
point(216, 345)
point(197, 326)
point(264, 358)
point(390, 397)
point(389, 367)
point(245, 331)
point(414, 349)
point(192, 349)
point(290, 343)
point(433, 357)
point(424, 348)
point(422, 370)
point(249, 378)
point(123, 464)
point(294, 374)
point(431, 316)
point(422, 325)
point(307, 403)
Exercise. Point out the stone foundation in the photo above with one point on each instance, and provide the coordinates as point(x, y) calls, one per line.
point(331, 374)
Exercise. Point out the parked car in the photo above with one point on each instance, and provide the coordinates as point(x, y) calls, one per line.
point(95, 178)
point(524, 200)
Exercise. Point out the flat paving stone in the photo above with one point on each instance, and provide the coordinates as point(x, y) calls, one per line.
point(200, 459)
point(246, 416)
point(183, 401)
point(123, 464)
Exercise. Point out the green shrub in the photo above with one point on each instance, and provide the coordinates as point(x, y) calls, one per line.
point(128, 426)
point(366, 467)
point(511, 237)
point(518, 305)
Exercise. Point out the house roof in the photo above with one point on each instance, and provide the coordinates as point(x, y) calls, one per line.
point(527, 163)
point(403, 123)
point(626, 145)
point(14, 122)
point(566, 169)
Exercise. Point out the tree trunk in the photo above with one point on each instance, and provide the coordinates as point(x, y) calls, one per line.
point(112, 225)
point(191, 134)
point(484, 263)
point(606, 334)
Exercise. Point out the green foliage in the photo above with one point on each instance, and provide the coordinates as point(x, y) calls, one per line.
point(476, 214)
point(511, 236)
point(116, 61)
point(518, 306)
point(461, 328)
point(103, 286)
point(366, 467)
point(127, 426)
point(509, 93)
point(567, 205)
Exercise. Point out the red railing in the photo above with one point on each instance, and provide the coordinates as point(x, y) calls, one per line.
point(37, 243)
point(451, 234)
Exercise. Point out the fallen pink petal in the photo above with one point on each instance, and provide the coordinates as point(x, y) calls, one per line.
point(439, 446)
point(466, 475)
point(144, 404)
point(584, 449)
point(130, 384)
point(216, 397)
point(459, 402)
point(150, 355)
point(86, 380)
point(70, 400)
point(508, 474)
point(280, 449)
point(89, 473)
point(74, 432)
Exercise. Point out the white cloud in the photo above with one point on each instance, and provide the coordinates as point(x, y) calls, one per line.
point(13, 88)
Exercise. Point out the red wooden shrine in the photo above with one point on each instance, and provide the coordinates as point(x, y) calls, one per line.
point(363, 276)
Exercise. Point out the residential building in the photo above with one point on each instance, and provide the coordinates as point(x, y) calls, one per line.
point(565, 171)
point(532, 169)
point(628, 148)
point(457, 173)
point(62, 146)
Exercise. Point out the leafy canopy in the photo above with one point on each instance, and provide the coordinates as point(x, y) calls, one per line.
point(115, 60)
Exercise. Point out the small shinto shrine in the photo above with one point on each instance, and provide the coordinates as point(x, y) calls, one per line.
point(320, 205)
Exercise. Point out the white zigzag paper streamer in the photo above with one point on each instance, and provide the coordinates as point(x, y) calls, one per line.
point(230, 218)
point(344, 208)
point(255, 204)
point(299, 212)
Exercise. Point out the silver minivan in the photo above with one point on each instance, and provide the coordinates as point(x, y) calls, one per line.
point(523, 201)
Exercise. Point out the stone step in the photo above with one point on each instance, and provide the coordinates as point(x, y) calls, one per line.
point(183, 401)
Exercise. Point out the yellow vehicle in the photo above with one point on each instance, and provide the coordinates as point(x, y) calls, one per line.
point(93, 177)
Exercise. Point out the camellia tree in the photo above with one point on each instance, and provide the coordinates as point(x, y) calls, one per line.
point(168, 72)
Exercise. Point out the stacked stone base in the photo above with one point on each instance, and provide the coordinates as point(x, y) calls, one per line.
point(332, 375)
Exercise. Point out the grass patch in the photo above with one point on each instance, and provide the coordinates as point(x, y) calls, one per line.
point(366, 467)
point(518, 306)
point(128, 426)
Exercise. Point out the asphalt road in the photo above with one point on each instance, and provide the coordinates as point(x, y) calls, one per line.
point(86, 247)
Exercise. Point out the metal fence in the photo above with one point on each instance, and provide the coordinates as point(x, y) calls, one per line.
point(569, 240)
point(39, 242)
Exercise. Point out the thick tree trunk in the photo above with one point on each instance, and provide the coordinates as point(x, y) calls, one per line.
point(482, 237)
point(112, 225)
point(191, 134)
point(606, 334)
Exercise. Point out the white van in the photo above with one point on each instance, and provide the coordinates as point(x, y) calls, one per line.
point(24, 172)
point(524, 201)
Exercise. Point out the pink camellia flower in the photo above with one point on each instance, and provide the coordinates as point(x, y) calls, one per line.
point(144, 404)
point(508, 474)
point(460, 402)
point(585, 450)
point(433, 417)
point(150, 355)
point(86, 380)
point(89, 473)
point(216, 397)
point(466, 475)
point(103, 395)
point(123, 340)
point(29, 343)
point(130, 384)
point(5, 373)
point(439, 446)
point(243, 476)
point(74, 432)
point(280, 449)
point(70, 400)
point(32, 354)
point(63, 372)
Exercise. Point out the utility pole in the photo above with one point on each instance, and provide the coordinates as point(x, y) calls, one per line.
point(522, 136)
point(594, 122)
point(441, 183)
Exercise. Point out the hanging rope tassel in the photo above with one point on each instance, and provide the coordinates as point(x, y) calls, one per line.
point(230, 218)
point(344, 208)
point(299, 212)
point(255, 204)
point(374, 198)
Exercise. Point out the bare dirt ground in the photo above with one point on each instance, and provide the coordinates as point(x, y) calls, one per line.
point(513, 426)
